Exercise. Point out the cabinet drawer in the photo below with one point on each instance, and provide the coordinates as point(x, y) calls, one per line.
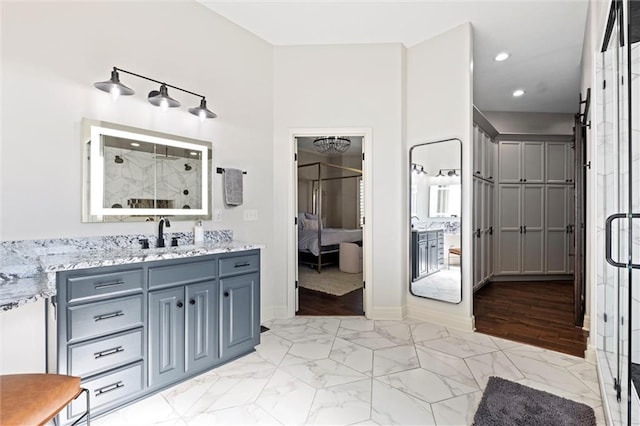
point(182, 273)
point(90, 287)
point(109, 388)
point(100, 318)
point(239, 264)
point(92, 357)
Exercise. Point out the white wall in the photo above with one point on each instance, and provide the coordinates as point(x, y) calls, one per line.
point(346, 86)
point(52, 54)
point(597, 16)
point(536, 123)
point(439, 99)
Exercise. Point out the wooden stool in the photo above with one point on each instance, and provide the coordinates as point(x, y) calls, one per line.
point(453, 250)
point(34, 399)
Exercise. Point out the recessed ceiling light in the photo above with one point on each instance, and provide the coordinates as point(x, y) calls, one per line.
point(518, 93)
point(193, 153)
point(135, 144)
point(502, 56)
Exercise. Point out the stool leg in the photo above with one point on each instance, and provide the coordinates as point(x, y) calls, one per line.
point(86, 414)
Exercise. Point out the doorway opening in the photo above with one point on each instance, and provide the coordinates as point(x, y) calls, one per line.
point(329, 190)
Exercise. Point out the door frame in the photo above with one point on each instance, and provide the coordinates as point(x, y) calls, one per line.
point(292, 207)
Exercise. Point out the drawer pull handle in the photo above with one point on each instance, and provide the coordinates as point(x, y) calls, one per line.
point(108, 352)
point(241, 265)
point(107, 316)
point(111, 284)
point(109, 388)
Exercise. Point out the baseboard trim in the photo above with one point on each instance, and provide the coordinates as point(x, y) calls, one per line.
point(386, 313)
point(440, 318)
point(274, 312)
point(586, 323)
point(559, 277)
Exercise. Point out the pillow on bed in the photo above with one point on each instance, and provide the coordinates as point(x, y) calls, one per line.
point(310, 224)
point(312, 216)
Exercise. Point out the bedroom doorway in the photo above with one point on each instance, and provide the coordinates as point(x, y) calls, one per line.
point(329, 189)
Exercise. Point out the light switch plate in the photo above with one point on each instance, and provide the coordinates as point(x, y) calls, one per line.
point(250, 215)
point(217, 215)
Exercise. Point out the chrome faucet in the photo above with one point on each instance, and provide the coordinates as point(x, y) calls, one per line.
point(411, 220)
point(163, 221)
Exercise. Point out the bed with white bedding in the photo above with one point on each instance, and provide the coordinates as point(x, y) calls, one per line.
point(331, 237)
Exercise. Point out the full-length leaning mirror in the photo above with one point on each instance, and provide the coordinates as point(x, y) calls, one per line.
point(132, 174)
point(436, 206)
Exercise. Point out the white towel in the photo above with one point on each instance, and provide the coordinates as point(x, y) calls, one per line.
point(233, 187)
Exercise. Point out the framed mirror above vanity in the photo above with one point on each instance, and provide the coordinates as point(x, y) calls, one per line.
point(435, 223)
point(132, 174)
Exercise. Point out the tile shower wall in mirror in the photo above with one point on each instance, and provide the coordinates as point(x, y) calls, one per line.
point(141, 177)
point(436, 201)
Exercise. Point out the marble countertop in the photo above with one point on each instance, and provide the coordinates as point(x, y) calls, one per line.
point(27, 275)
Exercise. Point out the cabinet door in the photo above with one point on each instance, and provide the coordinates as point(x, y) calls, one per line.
point(509, 162)
point(202, 325)
point(570, 163)
point(509, 233)
point(477, 231)
point(571, 229)
point(556, 229)
point(423, 258)
point(240, 314)
point(532, 162)
point(487, 230)
point(489, 152)
point(166, 336)
point(477, 151)
point(492, 231)
point(533, 229)
point(556, 162)
point(433, 256)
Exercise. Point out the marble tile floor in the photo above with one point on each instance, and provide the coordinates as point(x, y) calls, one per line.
point(350, 370)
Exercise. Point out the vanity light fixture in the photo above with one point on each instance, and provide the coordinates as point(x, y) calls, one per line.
point(159, 98)
point(449, 172)
point(417, 169)
point(502, 56)
point(517, 93)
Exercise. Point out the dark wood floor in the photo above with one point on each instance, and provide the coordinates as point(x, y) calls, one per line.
point(318, 303)
point(537, 313)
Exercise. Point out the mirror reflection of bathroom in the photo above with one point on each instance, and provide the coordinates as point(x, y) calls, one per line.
point(436, 201)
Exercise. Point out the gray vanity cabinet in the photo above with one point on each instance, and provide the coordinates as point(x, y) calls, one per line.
point(427, 252)
point(183, 318)
point(183, 330)
point(132, 330)
point(240, 304)
point(240, 315)
point(100, 335)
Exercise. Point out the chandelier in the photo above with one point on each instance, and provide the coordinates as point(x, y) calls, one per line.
point(332, 144)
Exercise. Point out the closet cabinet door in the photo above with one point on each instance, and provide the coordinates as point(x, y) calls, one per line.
point(570, 163)
point(571, 229)
point(477, 151)
point(489, 153)
point(509, 233)
point(477, 232)
point(556, 229)
point(509, 162)
point(532, 229)
point(556, 162)
point(532, 162)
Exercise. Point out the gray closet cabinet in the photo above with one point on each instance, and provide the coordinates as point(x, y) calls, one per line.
point(132, 330)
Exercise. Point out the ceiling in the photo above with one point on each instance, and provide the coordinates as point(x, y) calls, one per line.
point(544, 38)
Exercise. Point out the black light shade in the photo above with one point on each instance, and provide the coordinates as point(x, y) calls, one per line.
point(158, 98)
point(202, 111)
point(114, 83)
